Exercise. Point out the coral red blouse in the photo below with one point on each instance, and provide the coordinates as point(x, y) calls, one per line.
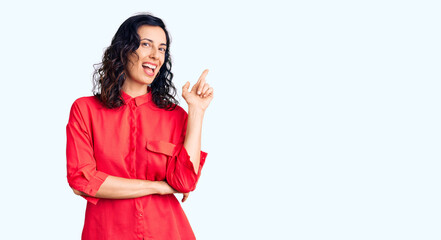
point(139, 141)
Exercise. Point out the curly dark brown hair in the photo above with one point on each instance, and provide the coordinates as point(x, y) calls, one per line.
point(110, 74)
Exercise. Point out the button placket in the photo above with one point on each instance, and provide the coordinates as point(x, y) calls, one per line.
point(133, 129)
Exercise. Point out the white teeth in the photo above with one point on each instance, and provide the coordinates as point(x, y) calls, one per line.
point(149, 66)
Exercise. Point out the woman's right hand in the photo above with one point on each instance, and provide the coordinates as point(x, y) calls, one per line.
point(164, 188)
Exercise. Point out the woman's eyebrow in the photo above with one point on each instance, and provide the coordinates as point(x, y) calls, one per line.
point(152, 41)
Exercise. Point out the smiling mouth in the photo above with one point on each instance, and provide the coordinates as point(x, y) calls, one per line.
point(149, 68)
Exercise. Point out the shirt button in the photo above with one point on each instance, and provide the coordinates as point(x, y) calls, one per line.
point(140, 214)
point(133, 149)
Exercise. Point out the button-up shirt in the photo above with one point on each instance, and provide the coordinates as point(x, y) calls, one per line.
point(138, 141)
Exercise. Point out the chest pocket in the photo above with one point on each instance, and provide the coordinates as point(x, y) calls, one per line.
point(158, 153)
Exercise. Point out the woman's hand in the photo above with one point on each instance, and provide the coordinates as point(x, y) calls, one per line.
point(164, 188)
point(200, 95)
point(185, 196)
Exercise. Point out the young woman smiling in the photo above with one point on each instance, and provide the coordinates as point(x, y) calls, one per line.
point(130, 146)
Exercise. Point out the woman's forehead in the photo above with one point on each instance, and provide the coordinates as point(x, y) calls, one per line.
point(153, 33)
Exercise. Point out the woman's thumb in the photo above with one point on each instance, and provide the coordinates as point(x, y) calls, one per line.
point(185, 87)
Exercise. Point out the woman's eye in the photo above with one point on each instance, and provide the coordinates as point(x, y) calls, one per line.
point(162, 49)
point(145, 44)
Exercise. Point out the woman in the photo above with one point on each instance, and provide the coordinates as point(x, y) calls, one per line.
point(130, 146)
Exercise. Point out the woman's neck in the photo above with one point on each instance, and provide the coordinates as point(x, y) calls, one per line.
point(134, 89)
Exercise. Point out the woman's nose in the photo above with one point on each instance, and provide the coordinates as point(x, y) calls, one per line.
point(154, 53)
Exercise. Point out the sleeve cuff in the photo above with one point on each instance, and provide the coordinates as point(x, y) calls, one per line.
point(180, 171)
point(90, 186)
point(189, 164)
point(93, 200)
point(95, 183)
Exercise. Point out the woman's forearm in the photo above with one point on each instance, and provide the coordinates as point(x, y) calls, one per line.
point(122, 188)
point(192, 142)
point(198, 100)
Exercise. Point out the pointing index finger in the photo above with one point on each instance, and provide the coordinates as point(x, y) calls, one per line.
point(204, 74)
point(201, 81)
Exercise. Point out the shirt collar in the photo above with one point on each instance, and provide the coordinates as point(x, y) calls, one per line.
point(139, 100)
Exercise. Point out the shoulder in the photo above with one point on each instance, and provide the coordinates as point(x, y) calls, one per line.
point(180, 111)
point(83, 106)
point(81, 112)
point(87, 102)
point(179, 114)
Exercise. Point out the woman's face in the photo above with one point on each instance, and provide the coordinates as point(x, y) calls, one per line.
point(142, 69)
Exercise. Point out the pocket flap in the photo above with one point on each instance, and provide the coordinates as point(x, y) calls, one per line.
point(161, 147)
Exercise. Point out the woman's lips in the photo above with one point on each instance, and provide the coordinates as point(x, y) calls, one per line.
point(149, 68)
point(149, 71)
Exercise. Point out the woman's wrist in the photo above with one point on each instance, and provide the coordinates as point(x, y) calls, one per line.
point(195, 110)
point(151, 187)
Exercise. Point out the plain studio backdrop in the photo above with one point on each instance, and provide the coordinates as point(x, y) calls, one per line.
point(325, 122)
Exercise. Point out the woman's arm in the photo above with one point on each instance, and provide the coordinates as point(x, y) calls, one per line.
point(123, 188)
point(192, 142)
point(198, 100)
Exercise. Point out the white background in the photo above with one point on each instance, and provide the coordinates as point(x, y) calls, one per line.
point(325, 123)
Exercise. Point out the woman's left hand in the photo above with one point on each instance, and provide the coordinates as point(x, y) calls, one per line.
point(200, 95)
point(185, 196)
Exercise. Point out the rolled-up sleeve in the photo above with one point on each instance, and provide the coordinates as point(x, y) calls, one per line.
point(180, 171)
point(82, 174)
